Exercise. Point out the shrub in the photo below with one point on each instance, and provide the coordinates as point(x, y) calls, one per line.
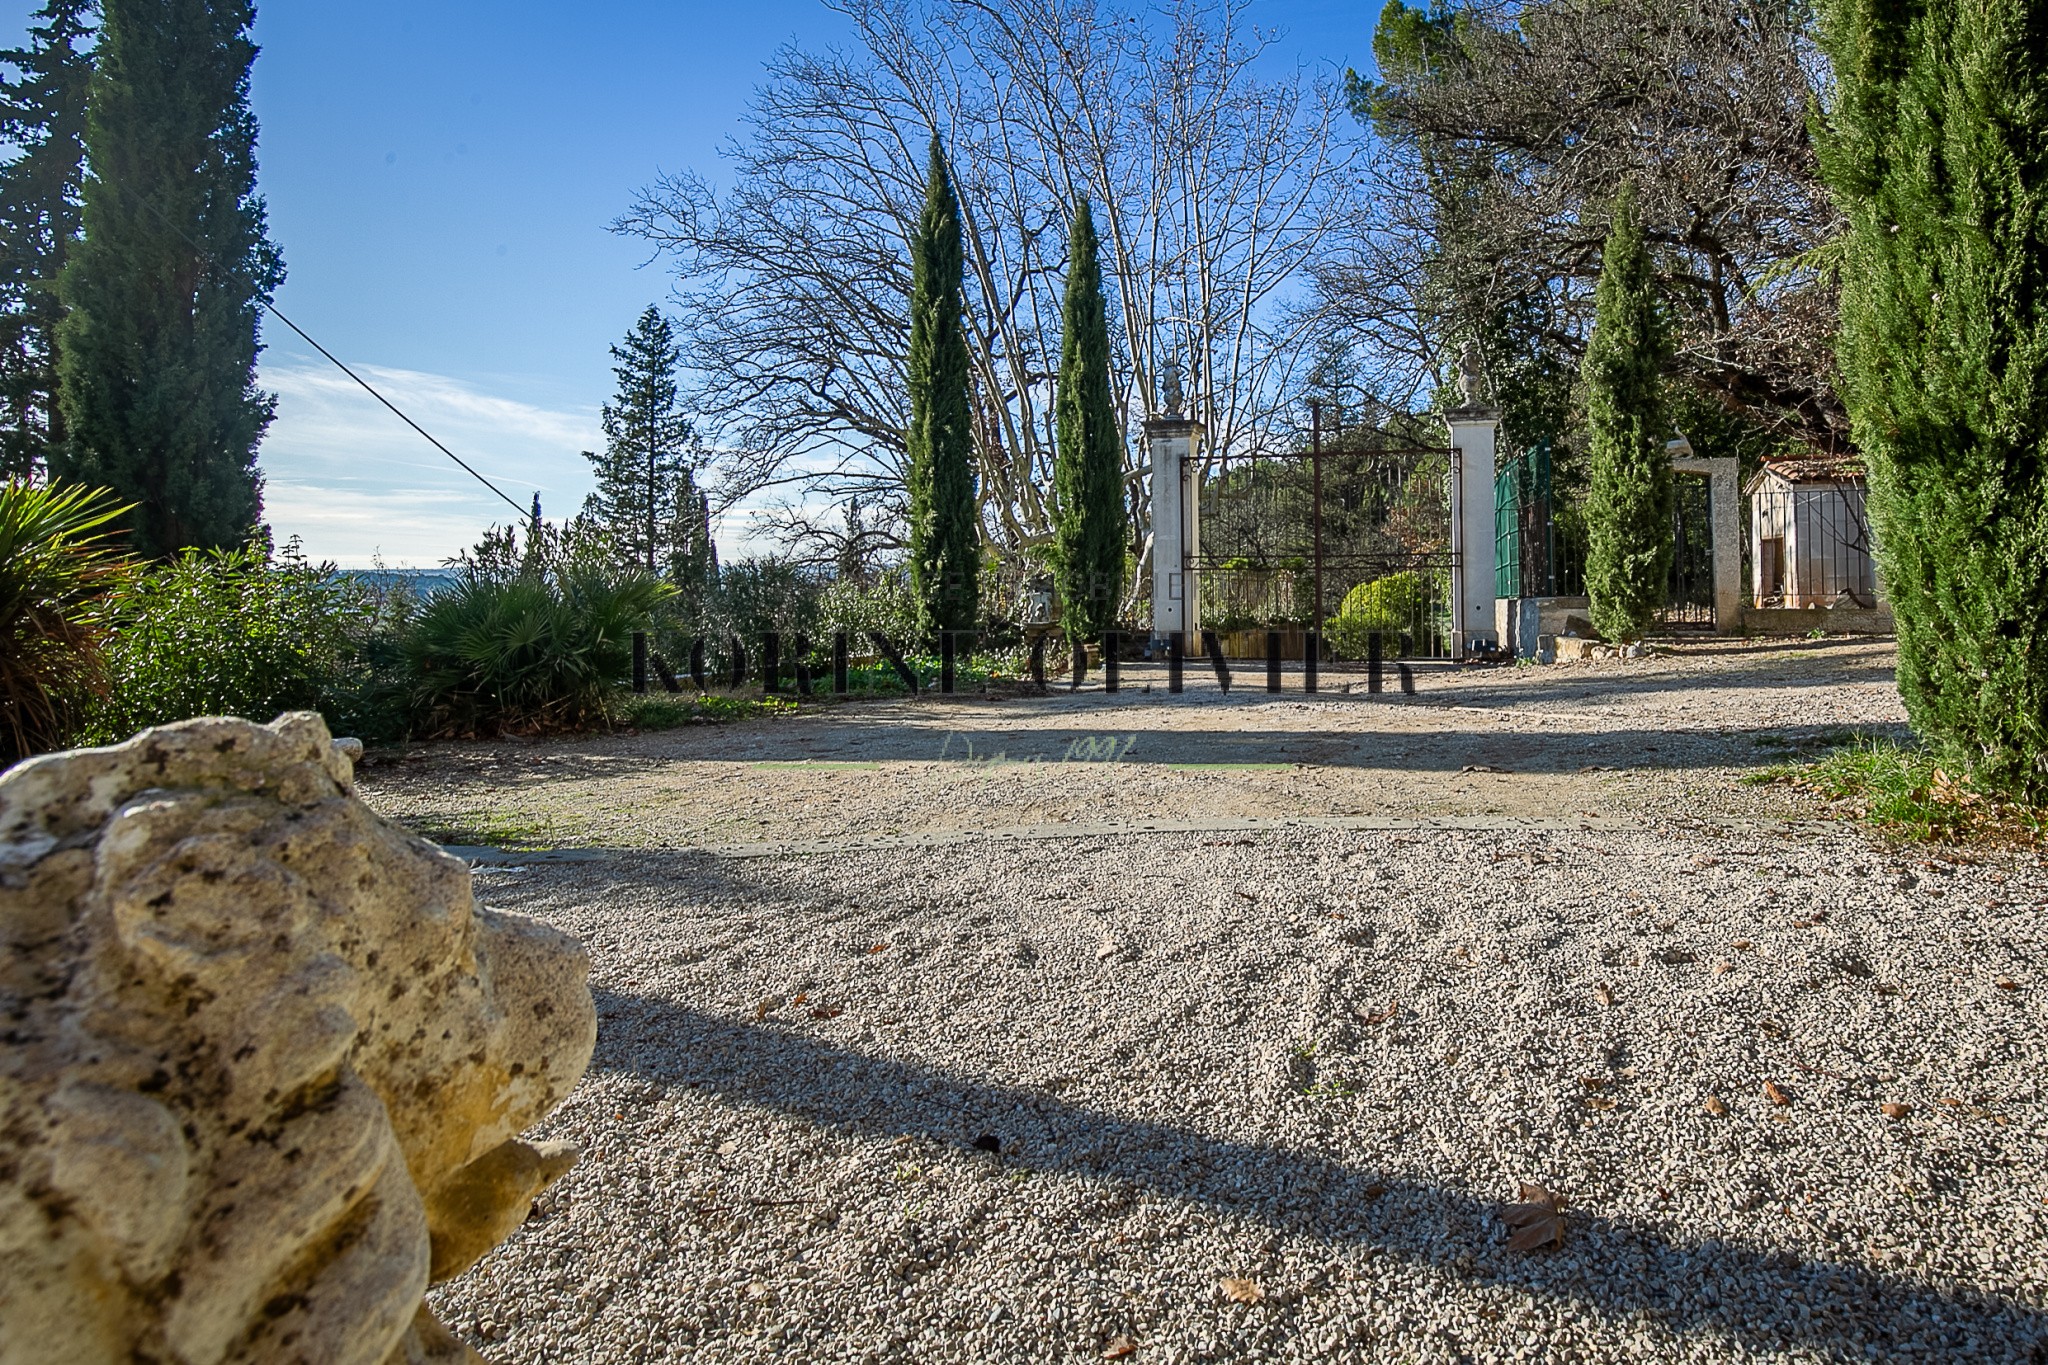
point(56, 567)
point(538, 652)
point(888, 605)
point(1391, 605)
point(243, 632)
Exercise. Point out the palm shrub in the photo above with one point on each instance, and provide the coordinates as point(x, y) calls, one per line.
point(542, 651)
point(1628, 500)
point(249, 632)
point(1935, 149)
point(57, 564)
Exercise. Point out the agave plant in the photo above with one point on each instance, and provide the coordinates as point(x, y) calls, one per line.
point(58, 561)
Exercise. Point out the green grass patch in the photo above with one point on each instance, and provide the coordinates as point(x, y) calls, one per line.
point(673, 710)
point(1903, 790)
point(487, 829)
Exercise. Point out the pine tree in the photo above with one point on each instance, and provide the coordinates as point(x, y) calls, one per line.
point(1088, 464)
point(1628, 501)
point(1937, 155)
point(945, 515)
point(42, 114)
point(157, 353)
point(647, 497)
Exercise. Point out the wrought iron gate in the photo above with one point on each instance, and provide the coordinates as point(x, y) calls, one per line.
point(1293, 538)
point(1689, 602)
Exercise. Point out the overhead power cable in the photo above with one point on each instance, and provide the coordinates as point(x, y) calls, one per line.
point(367, 387)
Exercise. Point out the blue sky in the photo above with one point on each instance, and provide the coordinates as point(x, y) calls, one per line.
point(440, 176)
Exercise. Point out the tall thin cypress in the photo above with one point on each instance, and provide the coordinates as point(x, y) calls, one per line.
point(945, 515)
point(42, 114)
point(1936, 153)
point(1628, 500)
point(157, 354)
point(1088, 464)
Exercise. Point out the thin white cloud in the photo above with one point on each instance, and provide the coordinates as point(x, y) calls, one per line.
point(355, 484)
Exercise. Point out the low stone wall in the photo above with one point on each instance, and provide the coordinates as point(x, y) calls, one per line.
point(266, 1059)
point(1805, 620)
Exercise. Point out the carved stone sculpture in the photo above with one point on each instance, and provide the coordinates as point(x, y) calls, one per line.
point(265, 1061)
point(1471, 381)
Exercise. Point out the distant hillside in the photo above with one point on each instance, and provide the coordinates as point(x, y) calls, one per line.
point(424, 582)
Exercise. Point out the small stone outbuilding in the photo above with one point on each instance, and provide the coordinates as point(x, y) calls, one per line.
point(1811, 535)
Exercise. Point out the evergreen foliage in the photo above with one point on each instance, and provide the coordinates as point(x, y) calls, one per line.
point(57, 567)
point(1088, 486)
point(157, 353)
point(647, 497)
point(1628, 501)
point(945, 516)
point(1936, 152)
point(239, 632)
point(42, 115)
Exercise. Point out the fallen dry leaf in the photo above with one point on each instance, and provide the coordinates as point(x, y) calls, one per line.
point(1538, 1219)
point(1706, 860)
point(799, 997)
point(1604, 993)
point(1374, 1191)
point(2006, 983)
point(1242, 1291)
point(1742, 945)
point(1722, 966)
point(761, 1010)
point(1600, 1102)
point(1775, 1095)
point(827, 1011)
point(1715, 1107)
point(1381, 1016)
point(1118, 1348)
point(1894, 1110)
point(879, 948)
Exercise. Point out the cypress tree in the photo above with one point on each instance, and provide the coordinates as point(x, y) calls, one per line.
point(945, 516)
point(42, 113)
point(1936, 153)
point(1088, 464)
point(157, 354)
point(646, 496)
point(1628, 498)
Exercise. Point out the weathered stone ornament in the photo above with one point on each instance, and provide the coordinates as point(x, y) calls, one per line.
point(263, 1060)
point(1471, 380)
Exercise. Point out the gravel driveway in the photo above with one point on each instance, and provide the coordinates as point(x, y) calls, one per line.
point(1259, 1081)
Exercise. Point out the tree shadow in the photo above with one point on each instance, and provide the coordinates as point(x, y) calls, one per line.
point(1762, 1300)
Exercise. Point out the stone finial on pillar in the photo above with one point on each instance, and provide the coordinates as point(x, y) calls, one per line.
point(1170, 442)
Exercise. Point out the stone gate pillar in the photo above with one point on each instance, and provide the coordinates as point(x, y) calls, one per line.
point(1176, 526)
point(1724, 508)
point(1475, 432)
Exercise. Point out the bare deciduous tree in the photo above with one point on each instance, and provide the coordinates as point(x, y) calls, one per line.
point(1214, 188)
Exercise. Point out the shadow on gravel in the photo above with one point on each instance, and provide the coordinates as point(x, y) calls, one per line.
point(1617, 1268)
point(1140, 741)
